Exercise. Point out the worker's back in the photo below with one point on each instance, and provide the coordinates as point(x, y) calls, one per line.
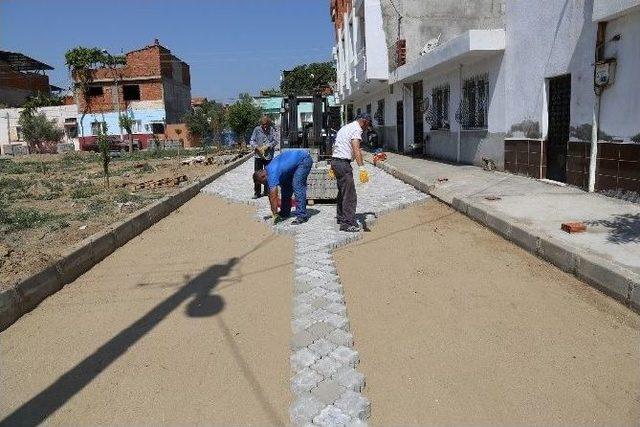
point(284, 164)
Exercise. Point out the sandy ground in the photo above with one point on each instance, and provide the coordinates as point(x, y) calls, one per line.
point(455, 325)
point(187, 323)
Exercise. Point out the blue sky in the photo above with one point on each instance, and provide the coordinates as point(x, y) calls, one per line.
point(232, 46)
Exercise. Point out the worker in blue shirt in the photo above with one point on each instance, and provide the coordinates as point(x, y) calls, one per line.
point(289, 171)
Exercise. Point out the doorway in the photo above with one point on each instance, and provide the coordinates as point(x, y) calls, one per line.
point(559, 122)
point(418, 127)
point(400, 125)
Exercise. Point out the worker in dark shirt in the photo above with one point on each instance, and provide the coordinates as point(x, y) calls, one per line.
point(289, 171)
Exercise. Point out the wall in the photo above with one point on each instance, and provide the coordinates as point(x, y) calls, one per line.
point(423, 20)
point(544, 42)
point(9, 121)
point(15, 86)
point(145, 115)
point(376, 47)
point(620, 103)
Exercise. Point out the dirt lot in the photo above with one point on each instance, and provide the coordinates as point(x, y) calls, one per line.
point(50, 202)
point(456, 325)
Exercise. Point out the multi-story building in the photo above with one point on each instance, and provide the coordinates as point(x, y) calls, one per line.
point(154, 87)
point(506, 80)
point(20, 78)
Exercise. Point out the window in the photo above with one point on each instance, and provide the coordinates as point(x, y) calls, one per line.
point(157, 128)
point(473, 110)
point(136, 127)
point(98, 127)
point(71, 131)
point(369, 109)
point(379, 116)
point(19, 134)
point(438, 114)
point(131, 92)
point(95, 91)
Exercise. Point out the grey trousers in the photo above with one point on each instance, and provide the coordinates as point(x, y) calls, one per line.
point(347, 197)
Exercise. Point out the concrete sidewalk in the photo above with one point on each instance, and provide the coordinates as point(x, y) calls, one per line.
point(530, 212)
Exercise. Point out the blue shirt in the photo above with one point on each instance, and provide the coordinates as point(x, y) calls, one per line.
point(284, 165)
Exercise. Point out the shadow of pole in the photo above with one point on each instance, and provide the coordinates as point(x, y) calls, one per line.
point(38, 408)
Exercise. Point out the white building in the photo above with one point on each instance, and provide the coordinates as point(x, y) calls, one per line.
point(65, 117)
point(506, 80)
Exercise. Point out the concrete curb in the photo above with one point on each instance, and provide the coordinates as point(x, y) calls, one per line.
point(78, 259)
point(595, 270)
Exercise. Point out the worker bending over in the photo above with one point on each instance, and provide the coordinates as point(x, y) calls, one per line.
point(289, 171)
point(345, 149)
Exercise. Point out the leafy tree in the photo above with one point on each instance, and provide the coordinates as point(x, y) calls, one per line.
point(308, 78)
point(126, 122)
point(82, 63)
point(41, 100)
point(271, 92)
point(243, 116)
point(207, 120)
point(38, 130)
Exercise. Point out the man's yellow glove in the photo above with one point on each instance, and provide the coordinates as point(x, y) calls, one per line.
point(262, 150)
point(331, 173)
point(364, 175)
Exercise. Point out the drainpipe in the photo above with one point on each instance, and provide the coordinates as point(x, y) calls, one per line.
point(594, 141)
point(459, 124)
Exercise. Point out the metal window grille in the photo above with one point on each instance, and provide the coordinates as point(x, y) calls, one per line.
point(379, 116)
point(438, 115)
point(472, 112)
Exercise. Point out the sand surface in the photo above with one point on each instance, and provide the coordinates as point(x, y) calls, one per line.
point(456, 325)
point(187, 323)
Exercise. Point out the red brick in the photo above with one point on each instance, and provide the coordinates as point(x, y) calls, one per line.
point(573, 227)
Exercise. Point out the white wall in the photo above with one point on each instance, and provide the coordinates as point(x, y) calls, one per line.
point(377, 57)
point(605, 10)
point(543, 41)
point(620, 103)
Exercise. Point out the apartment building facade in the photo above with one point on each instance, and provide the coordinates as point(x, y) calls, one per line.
point(510, 81)
point(20, 78)
point(153, 87)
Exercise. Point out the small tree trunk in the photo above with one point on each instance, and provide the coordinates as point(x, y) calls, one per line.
point(130, 143)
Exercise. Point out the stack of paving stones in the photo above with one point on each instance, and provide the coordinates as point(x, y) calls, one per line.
point(325, 382)
point(319, 185)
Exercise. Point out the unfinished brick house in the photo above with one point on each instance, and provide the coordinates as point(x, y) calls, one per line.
point(21, 77)
point(153, 86)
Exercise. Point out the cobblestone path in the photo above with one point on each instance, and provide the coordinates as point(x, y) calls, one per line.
point(325, 381)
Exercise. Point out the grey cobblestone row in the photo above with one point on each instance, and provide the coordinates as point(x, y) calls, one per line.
point(325, 381)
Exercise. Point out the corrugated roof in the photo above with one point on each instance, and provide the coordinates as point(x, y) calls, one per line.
point(21, 62)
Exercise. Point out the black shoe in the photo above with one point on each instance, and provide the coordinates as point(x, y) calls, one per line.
point(350, 228)
point(299, 221)
point(256, 196)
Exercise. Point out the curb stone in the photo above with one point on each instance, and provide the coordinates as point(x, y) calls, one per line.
point(80, 258)
point(602, 274)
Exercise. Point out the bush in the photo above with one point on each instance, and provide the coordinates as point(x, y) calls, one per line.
point(84, 191)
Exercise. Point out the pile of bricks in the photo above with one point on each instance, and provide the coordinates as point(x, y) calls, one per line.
point(164, 182)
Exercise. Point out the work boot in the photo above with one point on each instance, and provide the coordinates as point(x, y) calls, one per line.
point(299, 220)
point(349, 228)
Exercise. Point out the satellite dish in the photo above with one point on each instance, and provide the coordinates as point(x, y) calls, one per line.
point(431, 44)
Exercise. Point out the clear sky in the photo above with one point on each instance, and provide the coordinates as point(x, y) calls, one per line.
point(232, 46)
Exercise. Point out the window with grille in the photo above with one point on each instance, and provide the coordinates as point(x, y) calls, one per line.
point(438, 115)
point(475, 100)
point(379, 116)
point(98, 127)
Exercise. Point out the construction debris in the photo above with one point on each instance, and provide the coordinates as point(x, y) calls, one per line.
point(379, 157)
point(164, 182)
point(442, 179)
point(573, 227)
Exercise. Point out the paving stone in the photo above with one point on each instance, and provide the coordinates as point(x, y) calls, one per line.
point(304, 409)
point(337, 308)
point(301, 339)
point(301, 323)
point(322, 346)
point(305, 380)
point(337, 321)
point(354, 404)
point(340, 337)
point(328, 391)
point(346, 356)
point(331, 416)
point(326, 366)
point(320, 330)
point(334, 297)
point(350, 378)
point(303, 358)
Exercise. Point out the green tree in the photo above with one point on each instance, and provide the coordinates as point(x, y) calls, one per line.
point(126, 122)
point(38, 130)
point(306, 79)
point(82, 63)
point(207, 120)
point(243, 116)
point(41, 100)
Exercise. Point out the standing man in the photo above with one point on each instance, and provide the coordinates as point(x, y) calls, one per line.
point(346, 149)
point(289, 171)
point(263, 140)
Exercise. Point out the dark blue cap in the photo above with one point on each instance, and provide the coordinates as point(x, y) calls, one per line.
point(364, 116)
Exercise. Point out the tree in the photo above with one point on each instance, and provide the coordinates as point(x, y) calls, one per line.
point(243, 116)
point(307, 79)
point(271, 92)
point(41, 100)
point(104, 145)
point(82, 63)
point(38, 130)
point(207, 120)
point(126, 122)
